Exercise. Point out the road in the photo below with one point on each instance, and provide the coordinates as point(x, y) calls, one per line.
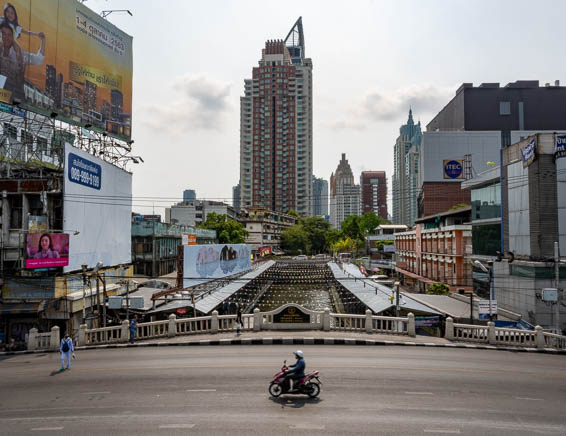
point(223, 390)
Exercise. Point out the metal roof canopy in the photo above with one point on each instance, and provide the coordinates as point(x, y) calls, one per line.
point(374, 295)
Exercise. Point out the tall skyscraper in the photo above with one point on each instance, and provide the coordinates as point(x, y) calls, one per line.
point(344, 194)
point(374, 192)
point(320, 196)
point(189, 195)
point(236, 197)
point(405, 175)
point(276, 128)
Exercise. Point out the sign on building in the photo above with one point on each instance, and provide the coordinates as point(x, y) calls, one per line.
point(189, 239)
point(453, 169)
point(483, 309)
point(560, 146)
point(529, 153)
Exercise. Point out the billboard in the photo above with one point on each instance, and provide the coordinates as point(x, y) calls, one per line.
point(204, 262)
point(47, 250)
point(453, 169)
point(97, 203)
point(529, 153)
point(60, 57)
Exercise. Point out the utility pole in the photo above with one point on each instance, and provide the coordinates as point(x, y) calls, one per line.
point(105, 300)
point(128, 300)
point(557, 285)
point(397, 299)
point(472, 307)
point(84, 267)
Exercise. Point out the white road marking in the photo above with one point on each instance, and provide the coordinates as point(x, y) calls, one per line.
point(47, 428)
point(529, 399)
point(96, 393)
point(201, 390)
point(419, 393)
point(441, 430)
point(177, 426)
point(307, 427)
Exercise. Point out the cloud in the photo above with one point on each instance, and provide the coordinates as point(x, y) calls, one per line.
point(382, 105)
point(199, 103)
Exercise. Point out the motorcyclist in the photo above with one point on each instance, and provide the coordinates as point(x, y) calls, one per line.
point(297, 371)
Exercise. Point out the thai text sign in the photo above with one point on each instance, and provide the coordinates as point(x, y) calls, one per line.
point(560, 146)
point(483, 309)
point(291, 315)
point(529, 153)
point(84, 172)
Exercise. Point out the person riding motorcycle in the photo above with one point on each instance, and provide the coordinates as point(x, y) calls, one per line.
point(296, 371)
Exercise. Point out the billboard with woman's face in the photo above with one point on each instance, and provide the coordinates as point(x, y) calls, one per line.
point(58, 56)
point(47, 250)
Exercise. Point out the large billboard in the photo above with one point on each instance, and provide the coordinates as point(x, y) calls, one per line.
point(97, 210)
point(47, 250)
point(205, 262)
point(59, 57)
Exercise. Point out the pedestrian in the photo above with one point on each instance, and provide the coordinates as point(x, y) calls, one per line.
point(239, 321)
point(133, 328)
point(67, 348)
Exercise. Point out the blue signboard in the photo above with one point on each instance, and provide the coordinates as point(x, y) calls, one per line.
point(529, 153)
point(84, 172)
point(453, 169)
point(560, 146)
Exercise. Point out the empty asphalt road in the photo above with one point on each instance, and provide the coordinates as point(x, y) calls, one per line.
point(223, 390)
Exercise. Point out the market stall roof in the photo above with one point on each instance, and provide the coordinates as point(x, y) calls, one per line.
point(375, 296)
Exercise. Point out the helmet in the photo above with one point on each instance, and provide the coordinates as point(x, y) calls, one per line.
point(299, 354)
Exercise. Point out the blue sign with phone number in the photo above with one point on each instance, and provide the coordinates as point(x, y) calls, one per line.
point(84, 172)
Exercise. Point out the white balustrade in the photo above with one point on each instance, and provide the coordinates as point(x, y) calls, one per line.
point(201, 324)
point(552, 340)
point(518, 337)
point(154, 329)
point(103, 335)
point(471, 333)
point(227, 323)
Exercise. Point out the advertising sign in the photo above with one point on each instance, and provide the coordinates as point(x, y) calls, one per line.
point(560, 146)
point(529, 153)
point(37, 223)
point(453, 169)
point(61, 57)
point(214, 261)
point(189, 239)
point(264, 251)
point(483, 309)
point(47, 250)
point(97, 204)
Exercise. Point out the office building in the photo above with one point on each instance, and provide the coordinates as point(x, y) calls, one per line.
point(236, 198)
point(189, 195)
point(374, 192)
point(344, 194)
point(320, 196)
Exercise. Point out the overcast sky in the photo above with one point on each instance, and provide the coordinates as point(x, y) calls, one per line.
point(372, 60)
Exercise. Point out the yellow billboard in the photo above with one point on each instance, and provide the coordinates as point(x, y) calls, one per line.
point(59, 58)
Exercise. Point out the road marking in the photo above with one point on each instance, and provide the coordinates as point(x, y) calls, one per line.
point(177, 426)
point(201, 390)
point(307, 427)
point(96, 393)
point(441, 430)
point(419, 393)
point(47, 428)
point(529, 399)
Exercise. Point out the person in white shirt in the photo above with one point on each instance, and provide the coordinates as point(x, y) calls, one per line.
point(67, 349)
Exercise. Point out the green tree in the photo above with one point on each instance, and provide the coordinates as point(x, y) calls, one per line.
point(316, 229)
point(331, 237)
point(438, 289)
point(295, 240)
point(369, 222)
point(351, 227)
point(293, 212)
point(346, 245)
point(228, 230)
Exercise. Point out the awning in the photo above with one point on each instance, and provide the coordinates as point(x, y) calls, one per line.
point(19, 308)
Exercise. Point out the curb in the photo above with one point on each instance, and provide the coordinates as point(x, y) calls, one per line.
point(298, 341)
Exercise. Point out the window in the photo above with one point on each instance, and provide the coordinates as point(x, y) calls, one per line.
point(504, 108)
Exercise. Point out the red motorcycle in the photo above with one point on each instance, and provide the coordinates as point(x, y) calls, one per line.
point(308, 385)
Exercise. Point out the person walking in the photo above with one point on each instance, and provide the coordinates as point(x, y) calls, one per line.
point(67, 348)
point(239, 320)
point(133, 328)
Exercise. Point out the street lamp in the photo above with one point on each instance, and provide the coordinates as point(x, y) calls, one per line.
point(489, 272)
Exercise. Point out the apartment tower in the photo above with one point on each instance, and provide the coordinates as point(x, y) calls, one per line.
point(344, 194)
point(276, 128)
point(374, 192)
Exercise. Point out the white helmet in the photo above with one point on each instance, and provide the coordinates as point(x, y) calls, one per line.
point(299, 354)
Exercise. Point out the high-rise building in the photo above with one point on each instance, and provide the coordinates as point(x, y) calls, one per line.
point(276, 128)
point(189, 195)
point(374, 192)
point(117, 102)
point(405, 172)
point(319, 196)
point(344, 194)
point(89, 103)
point(236, 198)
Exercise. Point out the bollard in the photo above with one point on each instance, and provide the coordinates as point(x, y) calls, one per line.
point(214, 322)
point(124, 331)
point(326, 320)
point(539, 337)
point(368, 321)
point(172, 326)
point(411, 325)
point(82, 335)
point(55, 338)
point(257, 320)
point(449, 330)
point(491, 333)
point(32, 339)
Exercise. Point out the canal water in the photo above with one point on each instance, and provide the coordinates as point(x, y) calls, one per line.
point(309, 296)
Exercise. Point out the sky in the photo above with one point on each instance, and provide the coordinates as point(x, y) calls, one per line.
point(372, 61)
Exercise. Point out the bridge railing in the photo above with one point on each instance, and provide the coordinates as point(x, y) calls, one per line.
point(503, 336)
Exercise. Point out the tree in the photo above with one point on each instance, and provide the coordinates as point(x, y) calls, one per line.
point(351, 228)
point(438, 289)
point(228, 230)
point(295, 240)
point(316, 229)
point(293, 212)
point(370, 220)
point(331, 237)
point(346, 245)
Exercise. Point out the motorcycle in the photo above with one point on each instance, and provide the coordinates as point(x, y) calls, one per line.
point(309, 384)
